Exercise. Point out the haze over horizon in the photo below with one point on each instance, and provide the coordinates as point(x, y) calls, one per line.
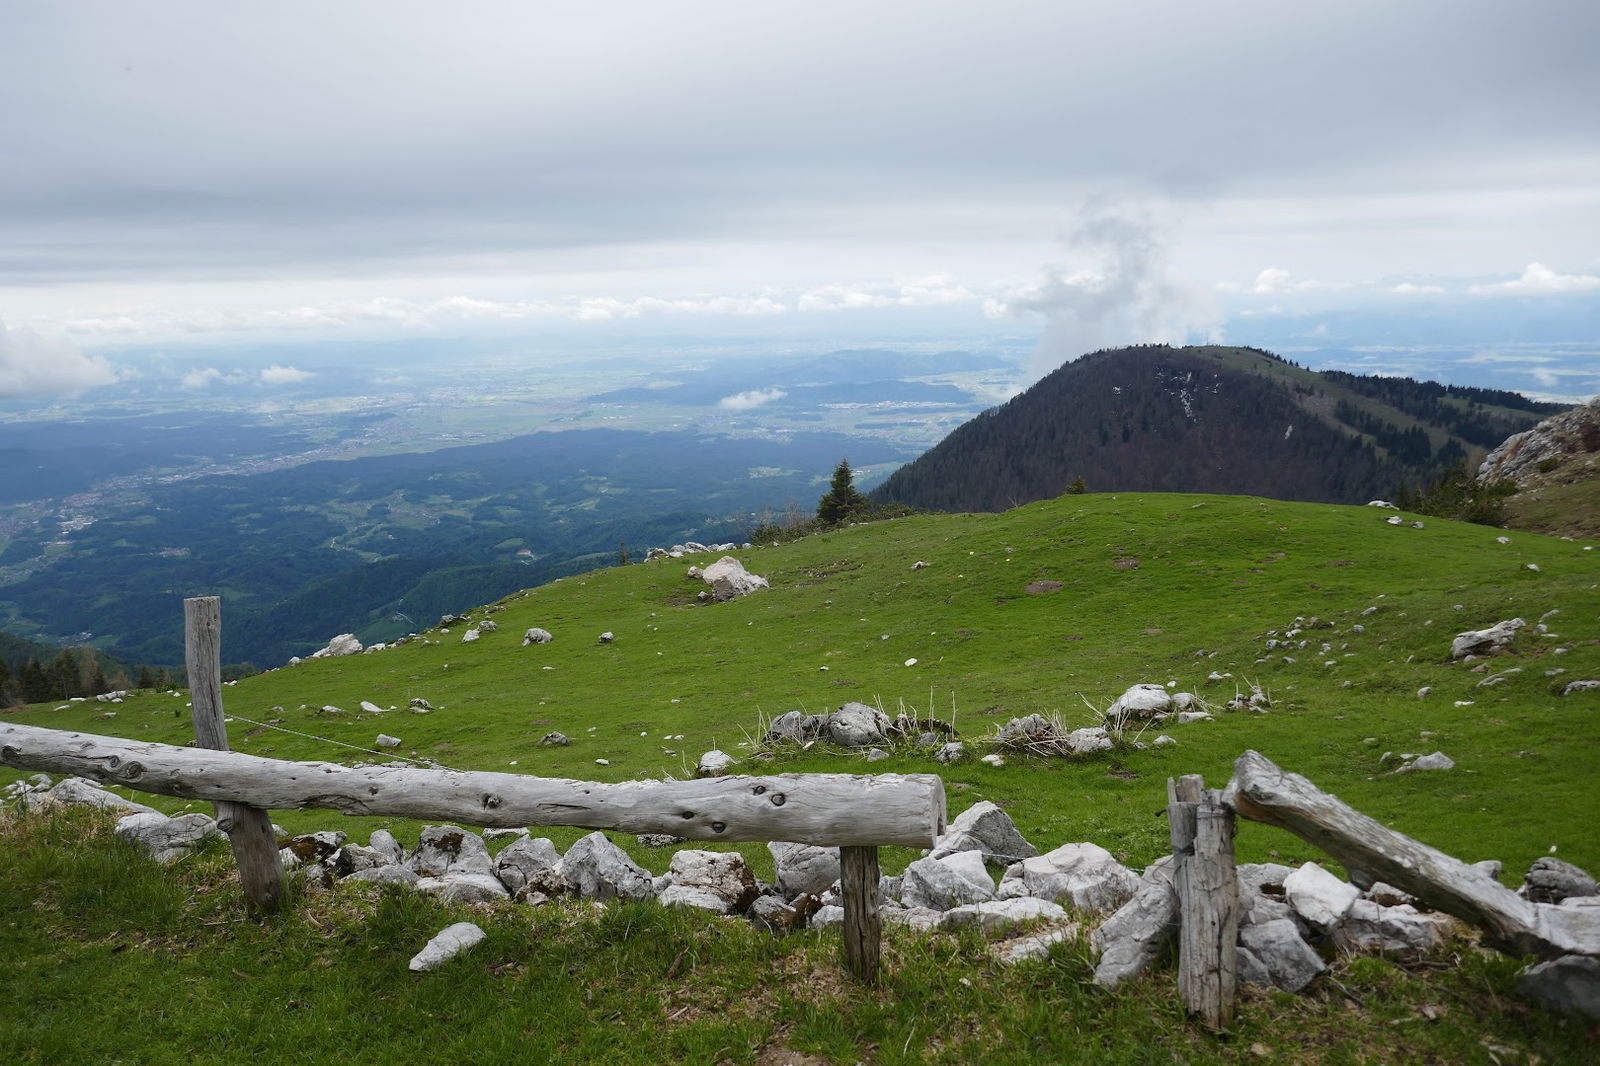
point(1390, 188)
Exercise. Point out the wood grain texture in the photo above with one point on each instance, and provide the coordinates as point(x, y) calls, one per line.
point(249, 829)
point(824, 809)
point(1371, 852)
point(863, 926)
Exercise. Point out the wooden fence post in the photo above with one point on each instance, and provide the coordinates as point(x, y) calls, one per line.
point(1208, 899)
point(863, 928)
point(249, 829)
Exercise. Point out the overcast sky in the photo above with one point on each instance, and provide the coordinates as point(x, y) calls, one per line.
point(1095, 172)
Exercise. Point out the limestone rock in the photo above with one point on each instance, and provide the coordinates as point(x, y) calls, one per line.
point(1139, 703)
point(1569, 984)
point(1274, 953)
point(1485, 641)
point(856, 725)
point(166, 839)
point(1087, 741)
point(449, 849)
point(729, 580)
point(1132, 938)
point(353, 858)
point(1550, 880)
point(986, 829)
point(384, 842)
point(463, 888)
point(449, 943)
point(387, 875)
point(386, 741)
point(529, 866)
point(1028, 948)
point(78, 790)
point(1580, 686)
point(803, 869)
point(714, 763)
point(940, 884)
point(997, 914)
point(1319, 897)
point(536, 636)
point(1401, 931)
point(606, 638)
point(774, 915)
point(716, 881)
point(1435, 761)
point(343, 644)
point(954, 751)
point(796, 727)
point(554, 739)
point(1086, 876)
point(595, 868)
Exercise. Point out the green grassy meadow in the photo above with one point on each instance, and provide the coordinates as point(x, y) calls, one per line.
point(1153, 588)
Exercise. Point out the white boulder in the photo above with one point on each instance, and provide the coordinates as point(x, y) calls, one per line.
point(449, 943)
point(1086, 876)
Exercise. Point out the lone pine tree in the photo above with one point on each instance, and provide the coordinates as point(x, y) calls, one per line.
point(842, 501)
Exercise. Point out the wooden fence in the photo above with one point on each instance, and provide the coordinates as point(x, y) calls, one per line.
point(857, 814)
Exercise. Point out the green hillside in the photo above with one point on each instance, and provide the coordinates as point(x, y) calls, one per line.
point(1153, 588)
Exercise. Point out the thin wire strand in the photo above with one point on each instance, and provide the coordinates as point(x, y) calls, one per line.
point(429, 763)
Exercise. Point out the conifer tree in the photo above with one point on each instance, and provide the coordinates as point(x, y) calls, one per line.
point(842, 501)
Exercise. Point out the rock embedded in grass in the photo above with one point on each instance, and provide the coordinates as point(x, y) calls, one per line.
point(450, 942)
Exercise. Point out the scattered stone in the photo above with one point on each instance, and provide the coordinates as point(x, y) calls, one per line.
point(469, 636)
point(1399, 931)
point(716, 881)
point(857, 725)
point(166, 839)
point(1084, 875)
point(988, 830)
point(1485, 641)
point(920, 565)
point(728, 579)
point(449, 849)
point(77, 790)
point(994, 915)
point(463, 888)
point(877, 755)
point(954, 751)
point(607, 637)
point(386, 741)
point(530, 867)
point(387, 874)
point(353, 858)
point(1435, 761)
point(383, 841)
point(536, 636)
point(1580, 686)
point(940, 884)
point(555, 739)
point(1569, 984)
point(450, 942)
point(714, 763)
point(1163, 741)
point(1132, 939)
point(343, 644)
point(1319, 897)
point(1550, 880)
point(420, 704)
point(803, 869)
point(1273, 953)
point(1025, 949)
point(1087, 741)
point(1139, 703)
point(992, 759)
point(595, 868)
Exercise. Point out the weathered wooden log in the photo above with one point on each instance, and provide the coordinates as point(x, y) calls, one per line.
point(249, 829)
point(824, 809)
point(863, 926)
point(1370, 851)
point(1208, 900)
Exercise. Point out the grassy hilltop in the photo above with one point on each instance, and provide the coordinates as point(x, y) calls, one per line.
point(1153, 587)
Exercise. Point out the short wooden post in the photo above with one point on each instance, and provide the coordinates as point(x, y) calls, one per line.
point(863, 928)
point(1208, 900)
point(249, 829)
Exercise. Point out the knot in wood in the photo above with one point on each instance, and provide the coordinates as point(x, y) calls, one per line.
point(133, 771)
point(686, 815)
point(491, 801)
point(779, 799)
point(718, 827)
point(759, 789)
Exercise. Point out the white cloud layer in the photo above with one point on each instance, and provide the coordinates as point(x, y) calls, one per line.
point(1539, 280)
point(745, 401)
point(284, 375)
point(34, 365)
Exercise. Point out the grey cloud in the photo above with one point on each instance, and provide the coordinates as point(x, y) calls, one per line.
point(192, 136)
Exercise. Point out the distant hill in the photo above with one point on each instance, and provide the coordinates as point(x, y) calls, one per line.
point(1209, 419)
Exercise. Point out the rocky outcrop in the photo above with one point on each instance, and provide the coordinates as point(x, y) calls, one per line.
point(1485, 641)
point(728, 579)
point(1560, 437)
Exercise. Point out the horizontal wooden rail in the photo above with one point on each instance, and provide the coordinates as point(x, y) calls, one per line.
point(824, 809)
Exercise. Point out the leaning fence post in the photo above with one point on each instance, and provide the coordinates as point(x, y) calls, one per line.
point(249, 829)
point(1208, 899)
point(863, 928)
